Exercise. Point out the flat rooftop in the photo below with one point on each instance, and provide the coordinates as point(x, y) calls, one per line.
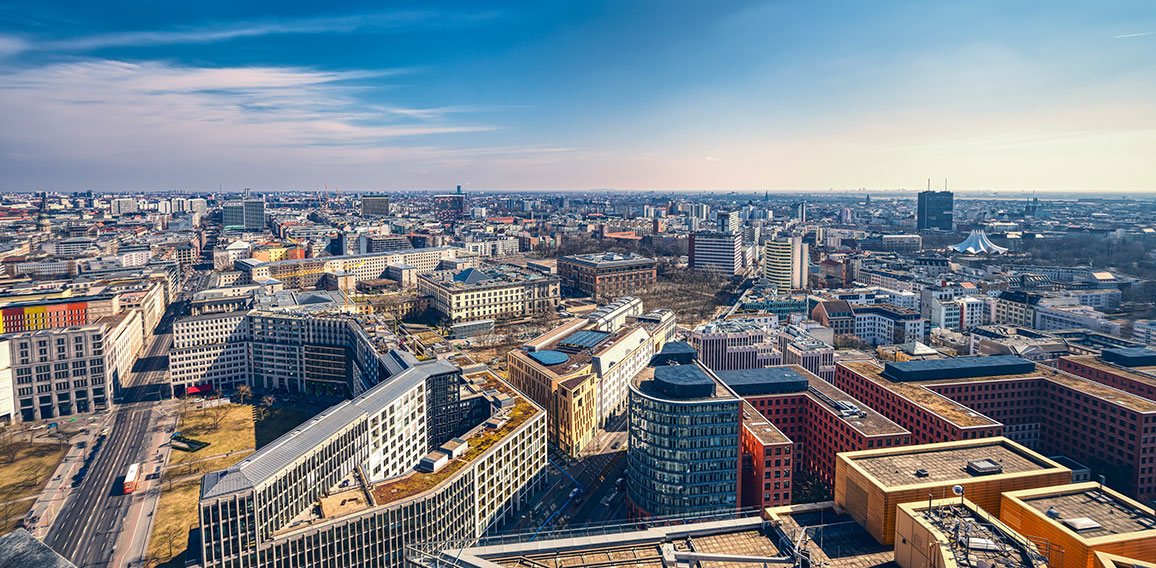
point(866, 421)
point(1110, 515)
point(762, 428)
point(944, 465)
point(832, 538)
point(688, 383)
point(1140, 373)
point(942, 406)
point(989, 542)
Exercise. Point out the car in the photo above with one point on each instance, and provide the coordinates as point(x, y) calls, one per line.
point(574, 492)
point(104, 432)
point(615, 446)
point(619, 482)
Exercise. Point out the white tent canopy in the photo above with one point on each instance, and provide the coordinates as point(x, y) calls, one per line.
point(976, 243)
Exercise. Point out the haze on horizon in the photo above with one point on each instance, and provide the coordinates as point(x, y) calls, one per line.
point(572, 95)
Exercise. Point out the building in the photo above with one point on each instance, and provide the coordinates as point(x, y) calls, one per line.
point(935, 211)
point(73, 370)
point(815, 418)
point(450, 207)
point(716, 253)
point(607, 275)
point(243, 214)
point(940, 532)
point(736, 344)
point(580, 370)
point(871, 484)
point(882, 324)
point(307, 273)
point(364, 479)
point(684, 440)
point(123, 206)
point(786, 263)
point(374, 205)
point(1080, 520)
point(31, 315)
point(728, 221)
point(1053, 411)
point(1144, 331)
point(501, 292)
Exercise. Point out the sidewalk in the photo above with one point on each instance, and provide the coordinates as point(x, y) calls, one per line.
point(59, 487)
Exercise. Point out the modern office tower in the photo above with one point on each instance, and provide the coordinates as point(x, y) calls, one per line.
point(728, 221)
point(124, 206)
point(787, 263)
point(243, 214)
point(934, 211)
point(716, 253)
point(683, 450)
point(501, 292)
point(366, 479)
point(1051, 410)
point(374, 205)
point(580, 370)
point(450, 207)
point(179, 204)
point(605, 275)
point(875, 482)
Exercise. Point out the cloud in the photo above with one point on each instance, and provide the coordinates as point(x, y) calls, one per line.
point(111, 123)
point(1122, 36)
point(11, 45)
point(210, 33)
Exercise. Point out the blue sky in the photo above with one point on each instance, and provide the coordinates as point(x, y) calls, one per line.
point(575, 95)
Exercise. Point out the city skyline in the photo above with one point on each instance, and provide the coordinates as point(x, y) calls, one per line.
point(743, 97)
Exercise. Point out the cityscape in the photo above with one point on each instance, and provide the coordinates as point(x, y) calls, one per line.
point(270, 298)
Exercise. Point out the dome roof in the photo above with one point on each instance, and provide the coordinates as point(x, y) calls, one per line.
point(976, 243)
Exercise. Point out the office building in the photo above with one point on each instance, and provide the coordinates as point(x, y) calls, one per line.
point(365, 479)
point(501, 292)
point(871, 484)
point(1078, 521)
point(124, 206)
point(935, 211)
point(787, 263)
point(308, 272)
point(934, 533)
point(728, 221)
point(581, 369)
point(375, 206)
point(715, 253)
point(450, 207)
point(1053, 411)
point(243, 214)
point(607, 275)
point(684, 441)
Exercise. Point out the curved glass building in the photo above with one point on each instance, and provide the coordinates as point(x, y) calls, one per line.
point(683, 454)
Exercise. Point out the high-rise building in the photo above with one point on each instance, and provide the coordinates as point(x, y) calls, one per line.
point(243, 214)
point(124, 206)
point(786, 263)
point(198, 205)
point(934, 211)
point(728, 221)
point(717, 253)
point(377, 205)
point(450, 207)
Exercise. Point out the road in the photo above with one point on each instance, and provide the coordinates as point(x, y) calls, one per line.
point(89, 526)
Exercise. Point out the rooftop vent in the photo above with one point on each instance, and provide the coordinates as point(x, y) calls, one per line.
point(1053, 513)
point(984, 466)
point(1081, 524)
point(921, 473)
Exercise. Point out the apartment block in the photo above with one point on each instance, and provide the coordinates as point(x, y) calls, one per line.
point(716, 253)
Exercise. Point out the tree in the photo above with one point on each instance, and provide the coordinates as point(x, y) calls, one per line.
point(848, 341)
point(266, 405)
point(9, 443)
point(33, 473)
point(242, 392)
point(217, 414)
point(170, 534)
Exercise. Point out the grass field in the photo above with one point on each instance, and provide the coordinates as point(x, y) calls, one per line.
point(239, 432)
point(24, 477)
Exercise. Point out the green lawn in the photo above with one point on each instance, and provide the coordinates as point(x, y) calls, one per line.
point(32, 467)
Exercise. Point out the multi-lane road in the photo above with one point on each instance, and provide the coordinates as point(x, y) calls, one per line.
point(90, 524)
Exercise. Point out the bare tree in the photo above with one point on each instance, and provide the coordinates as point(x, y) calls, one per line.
point(242, 392)
point(266, 406)
point(8, 504)
point(33, 473)
point(9, 443)
point(217, 415)
point(170, 534)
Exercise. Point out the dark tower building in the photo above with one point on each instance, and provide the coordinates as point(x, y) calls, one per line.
point(934, 211)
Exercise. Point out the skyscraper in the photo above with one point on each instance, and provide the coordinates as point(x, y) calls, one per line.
point(934, 211)
point(787, 262)
point(243, 214)
point(728, 221)
point(717, 253)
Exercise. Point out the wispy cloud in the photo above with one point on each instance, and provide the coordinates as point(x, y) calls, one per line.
point(1122, 36)
point(384, 22)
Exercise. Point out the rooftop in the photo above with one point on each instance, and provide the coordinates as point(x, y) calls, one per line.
point(941, 464)
point(962, 367)
point(762, 428)
point(1110, 513)
point(832, 538)
point(972, 537)
point(944, 407)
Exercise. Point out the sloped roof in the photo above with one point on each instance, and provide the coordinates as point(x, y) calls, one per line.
point(977, 242)
point(471, 276)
